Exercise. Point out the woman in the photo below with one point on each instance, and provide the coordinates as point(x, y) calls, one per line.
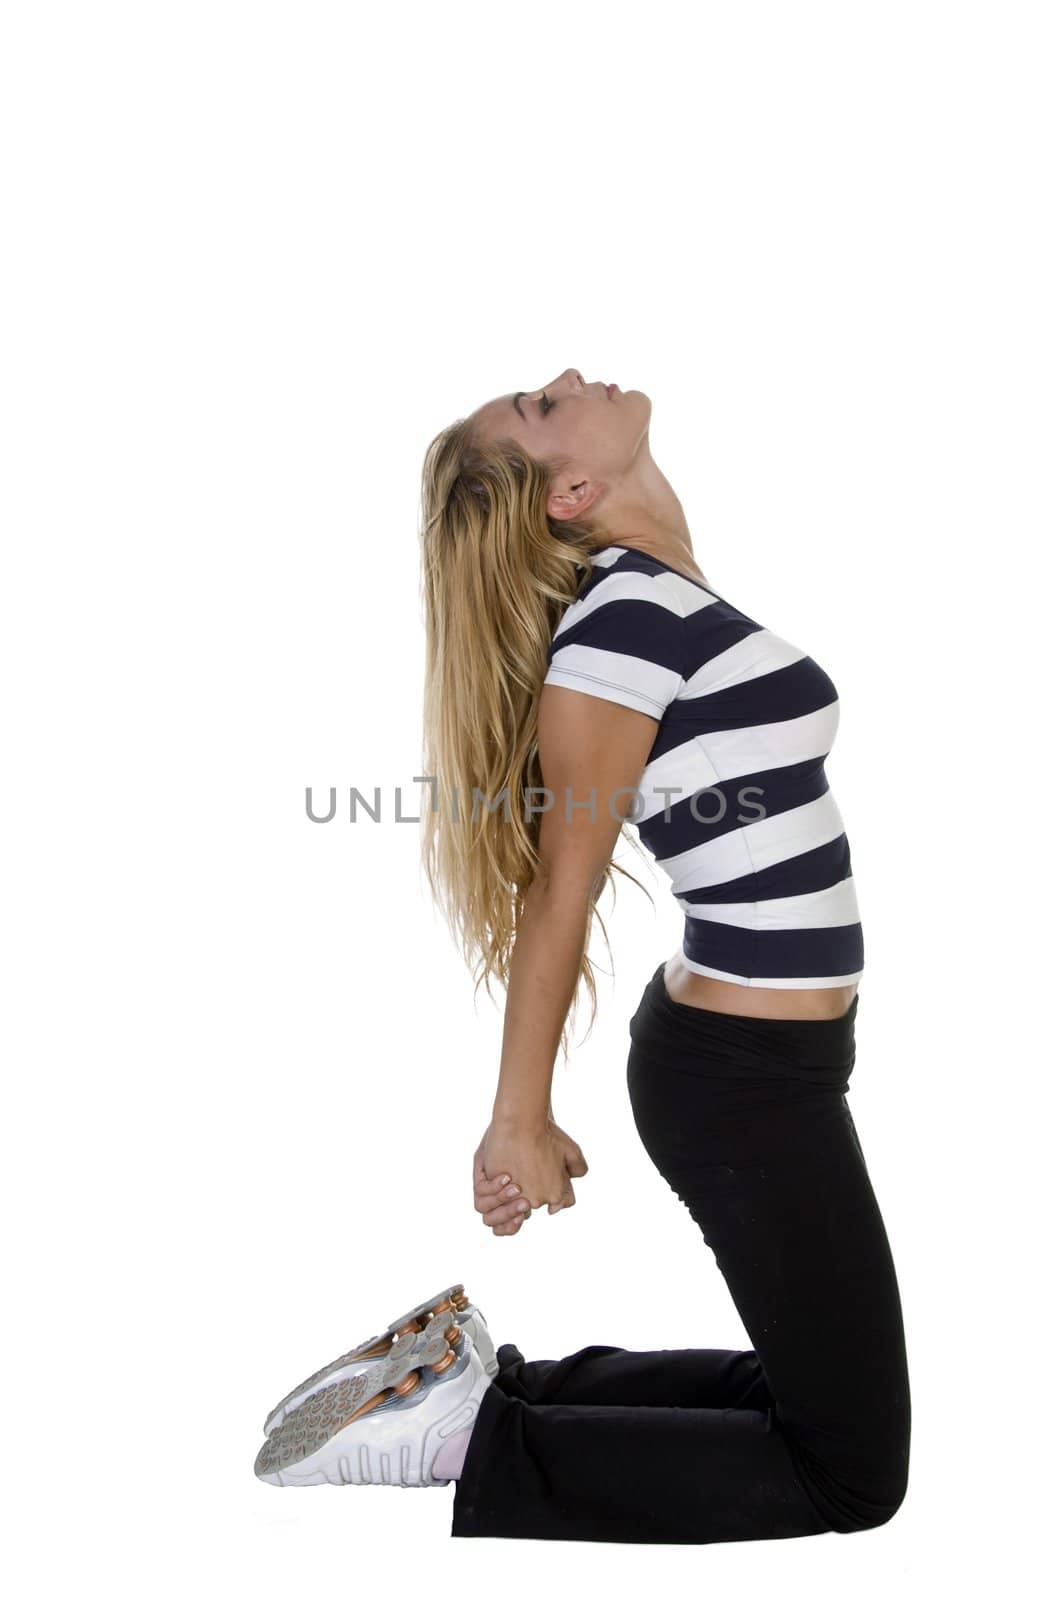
point(582, 671)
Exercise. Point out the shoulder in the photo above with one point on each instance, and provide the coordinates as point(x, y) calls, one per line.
point(616, 609)
point(635, 574)
point(622, 638)
point(644, 593)
point(637, 594)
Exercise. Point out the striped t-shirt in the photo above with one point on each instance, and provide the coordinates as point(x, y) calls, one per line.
point(760, 863)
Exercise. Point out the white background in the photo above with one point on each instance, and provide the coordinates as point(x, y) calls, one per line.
point(256, 256)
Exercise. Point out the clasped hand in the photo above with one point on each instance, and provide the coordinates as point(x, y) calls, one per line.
point(518, 1168)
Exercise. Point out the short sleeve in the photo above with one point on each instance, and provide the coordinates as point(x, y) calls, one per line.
point(623, 640)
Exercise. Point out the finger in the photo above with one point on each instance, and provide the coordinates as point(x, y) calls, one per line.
point(507, 1228)
point(489, 1199)
point(507, 1213)
point(493, 1186)
point(568, 1199)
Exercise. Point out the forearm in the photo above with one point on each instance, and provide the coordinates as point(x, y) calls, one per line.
point(545, 966)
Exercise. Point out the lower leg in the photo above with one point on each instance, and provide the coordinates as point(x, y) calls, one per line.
point(628, 1474)
point(604, 1375)
point(600, 1375)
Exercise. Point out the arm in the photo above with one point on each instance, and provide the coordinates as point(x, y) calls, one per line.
point(590, 748)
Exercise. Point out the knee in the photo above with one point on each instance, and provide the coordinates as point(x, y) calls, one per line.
point(863, 1485)
point(872, 1509)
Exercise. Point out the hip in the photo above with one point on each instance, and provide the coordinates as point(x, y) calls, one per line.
point(817, 1053)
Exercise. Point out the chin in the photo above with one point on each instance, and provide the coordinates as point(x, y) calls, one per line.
point(640, 402)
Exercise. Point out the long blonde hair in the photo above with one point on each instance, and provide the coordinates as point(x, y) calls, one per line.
point(497, 573)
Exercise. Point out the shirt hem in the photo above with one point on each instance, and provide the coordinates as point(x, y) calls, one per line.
point(832, 981)
point(603, 689)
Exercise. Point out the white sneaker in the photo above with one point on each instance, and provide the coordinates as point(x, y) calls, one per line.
point(394, 1342)
point(384, 1425)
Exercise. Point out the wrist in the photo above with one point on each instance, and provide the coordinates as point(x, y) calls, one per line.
point(520, 1118)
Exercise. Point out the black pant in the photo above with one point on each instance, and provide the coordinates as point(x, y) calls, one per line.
point(808, 1431)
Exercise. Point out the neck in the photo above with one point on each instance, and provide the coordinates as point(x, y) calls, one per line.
point(643, 512)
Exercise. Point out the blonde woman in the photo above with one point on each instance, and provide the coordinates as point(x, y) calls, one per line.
point(582, 673)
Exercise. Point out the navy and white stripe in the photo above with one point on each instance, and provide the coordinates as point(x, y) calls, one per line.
point(760, 866)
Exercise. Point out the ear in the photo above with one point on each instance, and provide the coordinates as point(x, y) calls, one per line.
point(576, 500)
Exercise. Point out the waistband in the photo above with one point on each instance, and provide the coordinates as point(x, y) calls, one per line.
point(815, 1050)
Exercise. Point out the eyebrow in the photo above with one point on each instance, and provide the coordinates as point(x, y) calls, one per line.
point(517, 405)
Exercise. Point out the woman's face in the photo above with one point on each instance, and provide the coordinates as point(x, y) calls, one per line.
point(599, 432)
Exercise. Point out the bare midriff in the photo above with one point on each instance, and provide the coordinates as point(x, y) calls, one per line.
point(689, 988)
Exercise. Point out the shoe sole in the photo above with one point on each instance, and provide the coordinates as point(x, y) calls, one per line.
point(394, 1343)
point(370, 1412)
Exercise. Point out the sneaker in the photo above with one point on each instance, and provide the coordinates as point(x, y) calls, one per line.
point(384, 1425)
point(394, 1342)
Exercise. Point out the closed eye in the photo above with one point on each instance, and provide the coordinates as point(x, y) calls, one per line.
point(544, 404)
